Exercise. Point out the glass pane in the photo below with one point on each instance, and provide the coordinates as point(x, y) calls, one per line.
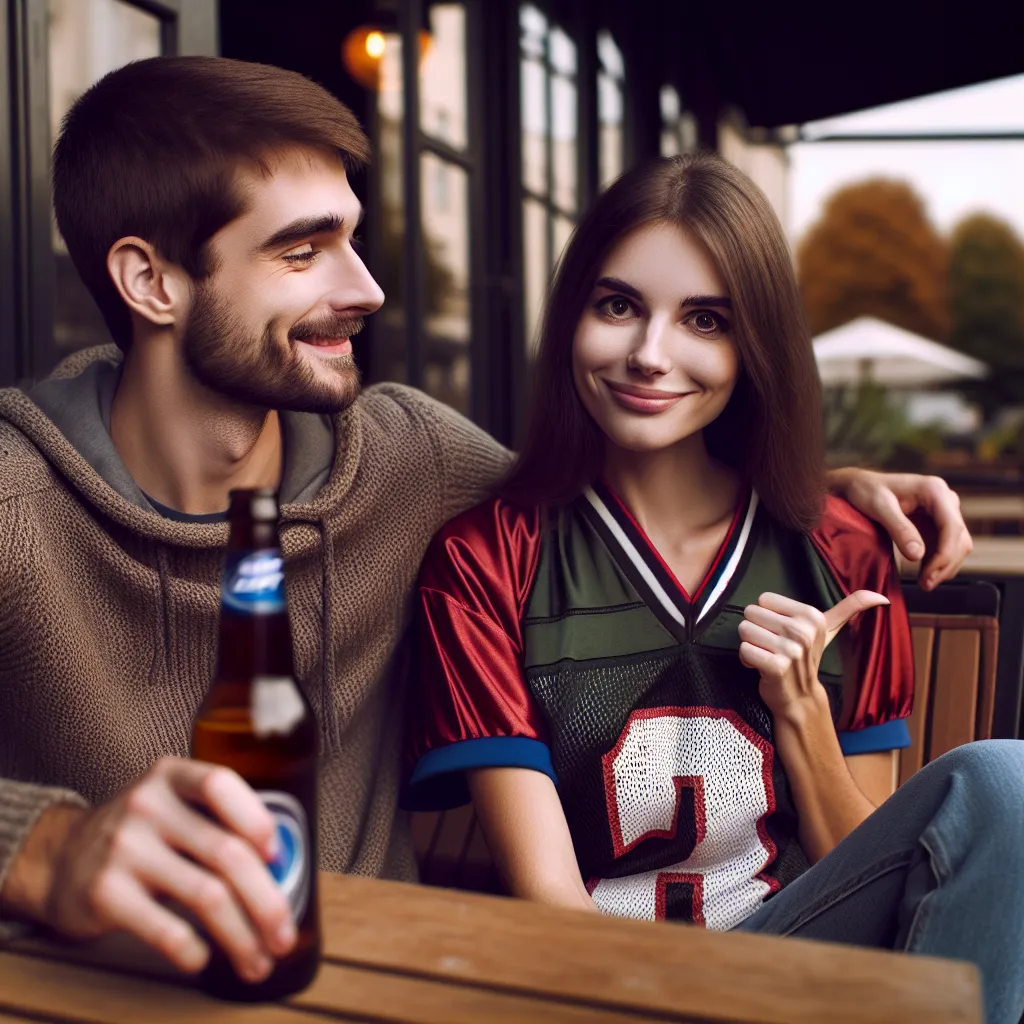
point(535, 268)
point(534, 28)
point(389, 353)
point(610, 56)
point(563, 134)
point(563, 229)
point(443, 76)
point(533, 101)
point(87, 38)
point(562, 52)
point(444, 194)
point(687, 132)
point(670, 105)
point(609, 115)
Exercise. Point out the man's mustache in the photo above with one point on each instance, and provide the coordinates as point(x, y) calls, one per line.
point(327, 327)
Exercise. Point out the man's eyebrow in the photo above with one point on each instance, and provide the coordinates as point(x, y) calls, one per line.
point(303, 228)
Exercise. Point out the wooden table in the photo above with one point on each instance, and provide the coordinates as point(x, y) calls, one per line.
point(398, 952)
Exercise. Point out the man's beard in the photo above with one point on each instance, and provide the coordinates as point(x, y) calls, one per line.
point(259, 370)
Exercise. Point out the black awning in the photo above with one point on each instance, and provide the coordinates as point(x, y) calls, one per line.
point(788, 63)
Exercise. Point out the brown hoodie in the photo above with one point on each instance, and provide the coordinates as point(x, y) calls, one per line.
point(109, 612)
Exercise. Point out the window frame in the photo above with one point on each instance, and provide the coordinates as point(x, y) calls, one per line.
point(27, 269)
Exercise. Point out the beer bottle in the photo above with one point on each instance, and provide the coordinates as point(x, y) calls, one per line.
point(257, 721)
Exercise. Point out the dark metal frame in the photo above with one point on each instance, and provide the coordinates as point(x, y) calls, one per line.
point(27, 282)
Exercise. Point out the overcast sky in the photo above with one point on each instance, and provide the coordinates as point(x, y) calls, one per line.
point(954, 178)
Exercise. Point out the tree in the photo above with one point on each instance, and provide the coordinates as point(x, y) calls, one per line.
point(986, 297)
point(874, 252)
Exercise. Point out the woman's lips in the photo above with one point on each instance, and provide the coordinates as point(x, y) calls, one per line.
point(646, 400)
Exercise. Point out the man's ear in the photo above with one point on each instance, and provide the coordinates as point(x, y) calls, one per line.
point(151, 287)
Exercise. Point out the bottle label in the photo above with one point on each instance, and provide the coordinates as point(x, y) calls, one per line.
point(291, 868)
point(276, 706)
point(253, 582)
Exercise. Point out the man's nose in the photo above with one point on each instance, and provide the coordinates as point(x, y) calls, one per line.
point(355, 287)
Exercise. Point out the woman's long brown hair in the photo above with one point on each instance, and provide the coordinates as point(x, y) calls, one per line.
point(771, 428)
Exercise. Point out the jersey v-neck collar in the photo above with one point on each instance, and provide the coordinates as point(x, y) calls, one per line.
point(652, 575)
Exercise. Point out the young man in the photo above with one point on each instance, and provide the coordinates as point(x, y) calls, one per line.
point(206, 205)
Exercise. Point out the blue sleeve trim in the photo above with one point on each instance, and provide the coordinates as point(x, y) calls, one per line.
point(892, 735)
point(438, 781)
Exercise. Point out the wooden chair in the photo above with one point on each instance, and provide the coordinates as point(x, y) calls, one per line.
point(451, 851)
point(956, 639)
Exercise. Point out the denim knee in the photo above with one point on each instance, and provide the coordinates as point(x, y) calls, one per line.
point(991, 773)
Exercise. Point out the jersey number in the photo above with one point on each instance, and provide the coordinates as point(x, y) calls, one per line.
point(728, 768)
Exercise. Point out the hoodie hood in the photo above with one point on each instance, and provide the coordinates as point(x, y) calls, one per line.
point(79, 406)
point(67, 417)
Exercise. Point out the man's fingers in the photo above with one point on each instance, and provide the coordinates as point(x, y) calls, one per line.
point(954, 542)
point(890, 514)
point(837, 616)
point(227, 795)
point(126, 906)
point(212, 902)
point(233, 860)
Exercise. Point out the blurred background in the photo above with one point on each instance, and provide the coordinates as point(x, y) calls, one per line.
point(890, 140)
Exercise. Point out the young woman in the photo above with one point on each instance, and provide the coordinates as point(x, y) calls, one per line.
point(625, 658)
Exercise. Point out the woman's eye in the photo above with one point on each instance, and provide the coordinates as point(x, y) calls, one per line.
point(616, 307)
point(708, 323)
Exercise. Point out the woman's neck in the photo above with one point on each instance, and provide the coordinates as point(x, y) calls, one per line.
point(683, 500)
point(681, 487)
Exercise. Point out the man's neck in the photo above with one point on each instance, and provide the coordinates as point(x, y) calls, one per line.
point(185, 445)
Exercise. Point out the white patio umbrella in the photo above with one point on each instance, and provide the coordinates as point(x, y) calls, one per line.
point(870, 349)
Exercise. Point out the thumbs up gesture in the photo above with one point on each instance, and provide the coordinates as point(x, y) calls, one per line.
point(784, 640)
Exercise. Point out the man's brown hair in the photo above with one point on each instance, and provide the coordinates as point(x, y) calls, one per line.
point(153, 149)
point(771, 428)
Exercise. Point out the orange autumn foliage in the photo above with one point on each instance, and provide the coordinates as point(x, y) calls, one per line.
point(874, 252)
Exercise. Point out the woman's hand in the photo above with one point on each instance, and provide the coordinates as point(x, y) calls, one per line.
point(784, 640)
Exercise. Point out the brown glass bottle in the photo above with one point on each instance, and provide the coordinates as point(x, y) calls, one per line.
point(257, 721)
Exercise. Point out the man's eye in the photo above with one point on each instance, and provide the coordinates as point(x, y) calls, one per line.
point(305, 255)
point(356, 242)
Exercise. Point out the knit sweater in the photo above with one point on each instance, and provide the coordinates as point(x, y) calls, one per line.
point(109, 612)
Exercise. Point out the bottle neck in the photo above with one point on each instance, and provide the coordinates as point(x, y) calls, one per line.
point(255, 638)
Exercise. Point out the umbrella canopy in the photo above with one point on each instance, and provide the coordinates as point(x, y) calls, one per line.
point(871, 349)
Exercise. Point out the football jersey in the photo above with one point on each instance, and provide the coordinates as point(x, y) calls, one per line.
point(563, 642)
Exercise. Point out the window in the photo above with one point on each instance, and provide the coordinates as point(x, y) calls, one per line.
point(678, 126)
point(88, 38)
point(549, 107)
point(610, 107)
point(422, 335)
point(45, 311)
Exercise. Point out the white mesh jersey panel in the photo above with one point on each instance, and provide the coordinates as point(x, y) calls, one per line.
point(717, 755)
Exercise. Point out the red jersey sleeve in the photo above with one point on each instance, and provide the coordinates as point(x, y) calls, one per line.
point(878, 641)
point(467, 687)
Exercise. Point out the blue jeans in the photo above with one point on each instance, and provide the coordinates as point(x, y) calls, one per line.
point(937, 869)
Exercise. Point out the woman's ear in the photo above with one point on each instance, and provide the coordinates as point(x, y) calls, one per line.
point(150, 286)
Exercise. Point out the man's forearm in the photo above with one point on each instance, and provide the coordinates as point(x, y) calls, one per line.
point(28, 882)
point(828, 802)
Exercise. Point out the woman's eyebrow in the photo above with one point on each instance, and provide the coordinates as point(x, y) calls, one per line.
point(617, 285)
point(707, 300)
